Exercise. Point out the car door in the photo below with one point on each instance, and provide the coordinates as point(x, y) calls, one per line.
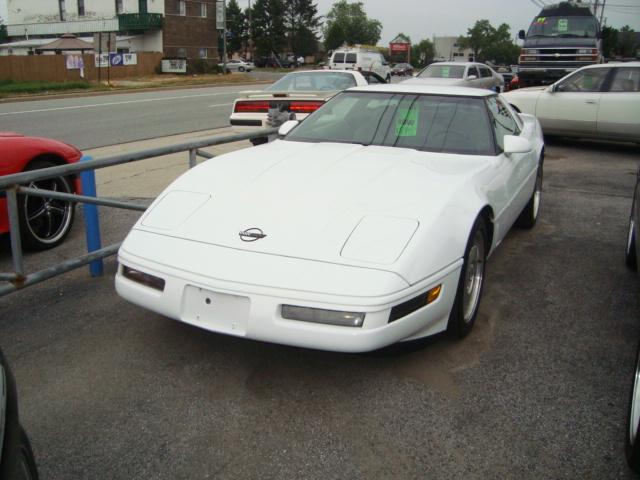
point(619, 112)
point(570, 106)
point(486, 77)
point(518, 169)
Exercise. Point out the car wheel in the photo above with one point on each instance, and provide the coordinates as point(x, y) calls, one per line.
point(632, 444)
point(45, 222)
point(630, 255)
point(241, 69)
point(259, 141)
point(388, 78)
point(25, 463)
point(471, 282)
point(529, 215)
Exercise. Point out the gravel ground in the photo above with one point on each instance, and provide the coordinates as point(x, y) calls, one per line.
point(538, 390)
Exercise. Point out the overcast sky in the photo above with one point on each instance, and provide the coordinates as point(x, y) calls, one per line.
point(425, 18)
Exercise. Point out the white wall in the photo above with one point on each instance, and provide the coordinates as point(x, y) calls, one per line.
point(45, 11)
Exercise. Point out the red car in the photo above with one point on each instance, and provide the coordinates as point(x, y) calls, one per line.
point(44, 222)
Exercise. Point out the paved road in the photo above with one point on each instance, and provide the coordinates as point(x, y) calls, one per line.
point(96, 121)
point(538, 390)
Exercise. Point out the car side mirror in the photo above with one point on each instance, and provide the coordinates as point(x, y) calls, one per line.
point(521, 34)
point(514, 144)
point(287, 126)
point(472, 77)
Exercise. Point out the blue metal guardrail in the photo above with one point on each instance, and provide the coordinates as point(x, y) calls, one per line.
point(13, 185)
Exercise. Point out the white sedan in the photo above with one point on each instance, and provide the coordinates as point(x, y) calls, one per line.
point(368, 224)
point(598, 101)
point(459, 74)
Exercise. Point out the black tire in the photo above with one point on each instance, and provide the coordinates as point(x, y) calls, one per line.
point(388, 79)
point(45, 222)
point(471, 282)
point(529, 214)
point(632, 441)
point(630, 257)
point(241, 69)
point(25, 464)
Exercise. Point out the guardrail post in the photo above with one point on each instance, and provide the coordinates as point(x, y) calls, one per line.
point(91, 219)
point(192, 157)
point(14, 232)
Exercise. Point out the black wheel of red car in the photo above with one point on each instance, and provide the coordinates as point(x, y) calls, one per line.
point(529, 214)
point(44, 221)
point(630, 254)
point(471, 282)
point(632, 443)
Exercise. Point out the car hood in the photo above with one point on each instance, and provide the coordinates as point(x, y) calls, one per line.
point(339, 203)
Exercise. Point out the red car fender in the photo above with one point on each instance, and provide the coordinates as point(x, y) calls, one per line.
point(17, 151)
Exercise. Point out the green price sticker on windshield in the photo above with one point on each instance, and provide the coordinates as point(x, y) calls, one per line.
point(563, 25)
point(445, 71)
point(407, 122)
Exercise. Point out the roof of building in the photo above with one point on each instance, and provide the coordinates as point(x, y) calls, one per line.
point(67, 42)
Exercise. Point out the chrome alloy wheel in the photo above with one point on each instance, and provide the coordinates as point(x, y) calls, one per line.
point(474, 276)
point(48, 219)
point(634, 417)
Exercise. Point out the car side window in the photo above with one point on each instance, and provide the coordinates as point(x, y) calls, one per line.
point(588, 80)
point(473, 71)
point(374, 79)
point(501, 119)
point(625, 80)
point(485, 72)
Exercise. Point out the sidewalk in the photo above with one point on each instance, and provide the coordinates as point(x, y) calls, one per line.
point(147, 178)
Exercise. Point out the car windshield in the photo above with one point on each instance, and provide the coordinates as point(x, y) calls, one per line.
point(321, 81)
point(434, 123)
point(563, 27)
point(443, 71)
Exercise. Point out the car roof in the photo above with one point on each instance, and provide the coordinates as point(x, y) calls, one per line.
point(428, 89)
point(614, 64)
point(333, 70)
point(463, 64)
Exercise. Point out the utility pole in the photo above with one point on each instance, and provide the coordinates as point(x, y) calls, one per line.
point(250, 39)
point(224, 37)
point(604, 2)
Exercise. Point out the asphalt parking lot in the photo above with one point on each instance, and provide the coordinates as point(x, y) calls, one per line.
point(538, 390)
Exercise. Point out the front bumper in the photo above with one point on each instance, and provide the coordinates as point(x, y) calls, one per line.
point(252, 309)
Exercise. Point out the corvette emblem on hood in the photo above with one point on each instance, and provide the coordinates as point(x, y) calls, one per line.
point(251, 235)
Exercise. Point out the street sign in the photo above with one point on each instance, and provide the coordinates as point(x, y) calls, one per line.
point(115, 59)
point(220, 20)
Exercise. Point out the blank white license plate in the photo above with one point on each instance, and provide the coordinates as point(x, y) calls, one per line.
point(219, 312)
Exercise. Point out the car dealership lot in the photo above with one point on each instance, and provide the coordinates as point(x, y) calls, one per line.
point(538, 389)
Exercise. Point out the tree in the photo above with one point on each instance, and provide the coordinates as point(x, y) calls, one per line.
point(301, 21)
point(490, 44)
point(348, 23)
point(609, 41)
point(422, 53)
point(268, 30)
point(235, 26)
point(627, 42)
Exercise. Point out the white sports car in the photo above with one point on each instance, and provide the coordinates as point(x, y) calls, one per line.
point(368, 224)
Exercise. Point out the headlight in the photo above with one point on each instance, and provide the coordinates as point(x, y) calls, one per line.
point(587, 51)
point(530, 51)
point(318, 315)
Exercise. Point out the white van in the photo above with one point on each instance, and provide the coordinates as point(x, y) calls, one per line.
point(362, 60)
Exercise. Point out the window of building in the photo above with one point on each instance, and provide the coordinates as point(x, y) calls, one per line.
point(63, 11)
point(119, 8)
point(202, 53)
point(203, 9)
point(81, 8)
point(182, 7)
point(182, 52)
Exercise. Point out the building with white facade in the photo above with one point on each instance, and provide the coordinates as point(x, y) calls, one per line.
point(447, 49)
point(178, 28)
